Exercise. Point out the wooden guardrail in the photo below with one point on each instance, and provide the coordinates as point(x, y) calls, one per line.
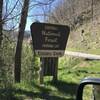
point(82, 55)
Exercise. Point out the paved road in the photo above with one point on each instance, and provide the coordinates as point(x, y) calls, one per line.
point(82, 55)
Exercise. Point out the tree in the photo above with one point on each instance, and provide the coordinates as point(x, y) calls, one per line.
point(1, 21)
point(7, 13)
point(20, 40)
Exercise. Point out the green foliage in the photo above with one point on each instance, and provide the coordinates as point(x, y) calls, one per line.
point(71, 70)
point(6, 63)
point(68, 62)
point(30, 64)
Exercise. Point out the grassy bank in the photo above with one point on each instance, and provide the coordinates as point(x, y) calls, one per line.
point(71, 71)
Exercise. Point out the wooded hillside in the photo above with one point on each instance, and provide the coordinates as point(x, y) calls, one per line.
point(83, 16)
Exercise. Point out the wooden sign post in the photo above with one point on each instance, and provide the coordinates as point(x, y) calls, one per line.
point(49, 67)
point(49, 42)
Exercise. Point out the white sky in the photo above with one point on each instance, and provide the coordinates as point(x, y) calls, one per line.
point(29, 22)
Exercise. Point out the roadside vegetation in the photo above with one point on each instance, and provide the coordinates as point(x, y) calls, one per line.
point(70, 72)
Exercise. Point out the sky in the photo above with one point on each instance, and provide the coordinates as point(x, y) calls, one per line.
point(36, 11)
point(29, 22)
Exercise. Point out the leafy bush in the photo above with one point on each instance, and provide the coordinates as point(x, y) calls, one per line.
point(7, 62)
point(30, 63)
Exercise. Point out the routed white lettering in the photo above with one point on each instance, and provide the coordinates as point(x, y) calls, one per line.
point(53, 40)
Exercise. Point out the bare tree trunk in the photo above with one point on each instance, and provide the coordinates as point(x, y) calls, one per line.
point(1, 22)
point(18, 53)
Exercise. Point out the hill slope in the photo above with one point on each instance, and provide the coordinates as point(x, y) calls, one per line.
point(83, 16)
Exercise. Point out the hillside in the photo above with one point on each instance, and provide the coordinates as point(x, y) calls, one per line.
point(86, 37)
point(83, 16)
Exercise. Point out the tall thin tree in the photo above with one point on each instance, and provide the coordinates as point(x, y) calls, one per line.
point(22, 25)
point(1, 22)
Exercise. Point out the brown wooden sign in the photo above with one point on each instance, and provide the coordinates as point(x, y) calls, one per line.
point(49, 40)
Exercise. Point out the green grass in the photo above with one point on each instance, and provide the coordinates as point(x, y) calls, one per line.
point(71, 71)
point(94, 51)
